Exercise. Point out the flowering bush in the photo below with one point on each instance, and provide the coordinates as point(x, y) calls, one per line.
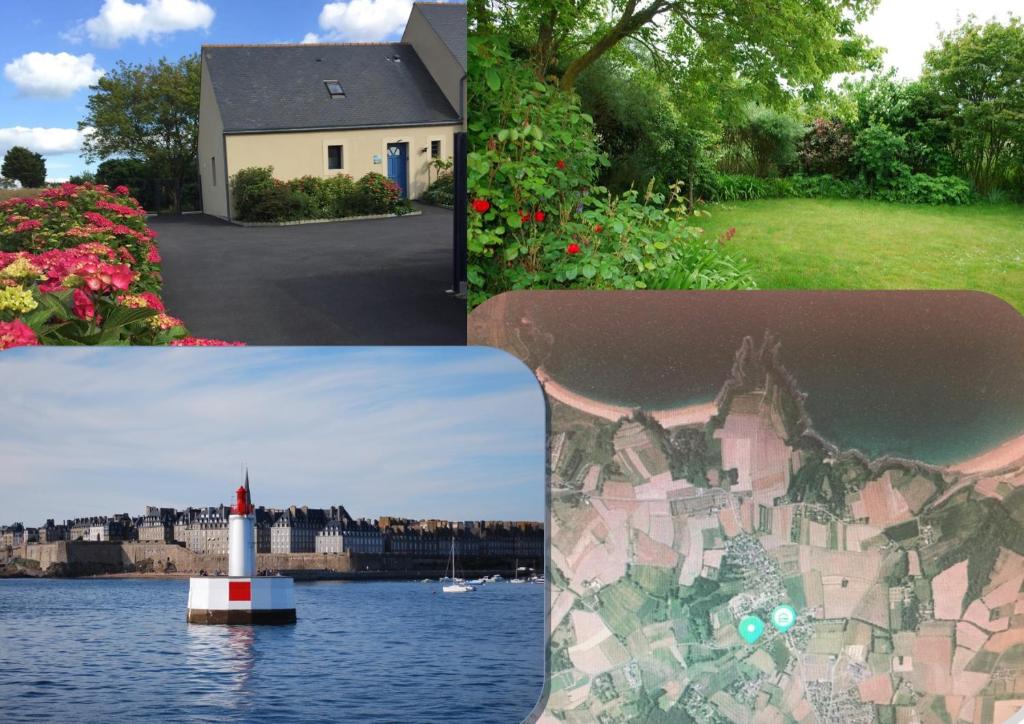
point(258, 196)
point(537, 218)
point(78, 265)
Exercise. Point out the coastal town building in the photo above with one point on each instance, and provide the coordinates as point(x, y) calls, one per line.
point(157, 525)
point(52, 532)
point(207, 531)
point(13, 535)
point(360, 536)
point(295, 530)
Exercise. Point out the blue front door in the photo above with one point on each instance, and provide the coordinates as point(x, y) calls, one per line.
point(398, 166)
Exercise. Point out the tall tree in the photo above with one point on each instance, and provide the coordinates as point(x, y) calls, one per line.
point(978, 73)
point(149, 113)
point(24, 166)
point(800, 42)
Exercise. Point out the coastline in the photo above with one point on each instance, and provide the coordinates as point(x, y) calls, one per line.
point(1008, 454)
point(697, 414)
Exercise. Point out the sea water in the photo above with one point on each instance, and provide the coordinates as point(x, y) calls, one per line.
point(120, 649)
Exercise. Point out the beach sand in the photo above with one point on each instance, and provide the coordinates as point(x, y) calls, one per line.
point(676, 417)
point(1009, 453)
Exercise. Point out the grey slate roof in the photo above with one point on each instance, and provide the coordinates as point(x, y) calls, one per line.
point(281, 87)
point(449, 22)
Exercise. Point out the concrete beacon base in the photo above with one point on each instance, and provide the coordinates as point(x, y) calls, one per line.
point(241, 600)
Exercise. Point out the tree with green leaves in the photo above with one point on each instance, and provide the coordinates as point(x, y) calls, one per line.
point(977, 72)
point(797, 42)
point(149, 113)
point(24, 166)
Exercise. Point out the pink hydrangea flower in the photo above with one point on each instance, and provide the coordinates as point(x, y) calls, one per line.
point(122, 189)
point(28, 225)
point(17, 334)
point(82, 305)
point(202, 342)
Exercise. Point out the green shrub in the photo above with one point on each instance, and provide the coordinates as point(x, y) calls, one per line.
point(772, 137)
point(340, 191)
point(823, 186)
point(442, 191)
point(924, 189)
point(260, 197)
point(377, 194)
point(250, 188)
point(878, 155)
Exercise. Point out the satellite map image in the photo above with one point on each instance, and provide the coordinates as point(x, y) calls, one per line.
point(684, 539)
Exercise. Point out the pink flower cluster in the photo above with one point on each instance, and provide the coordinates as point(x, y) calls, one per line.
point(17, 334)
point(89, 248)
point(202, 342)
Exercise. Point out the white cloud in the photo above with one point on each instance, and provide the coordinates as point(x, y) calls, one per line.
point(52, 75)
point(119, 20)
point(311, 38)
point(43, 140)
point(366, 20)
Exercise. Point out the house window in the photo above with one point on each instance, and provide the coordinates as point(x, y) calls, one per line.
point(335, 157)
point(435, 149)
point(334, 88)
point(213, 169)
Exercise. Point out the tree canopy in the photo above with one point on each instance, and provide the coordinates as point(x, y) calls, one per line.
point(150, 113)
point(764, 40)
point(24, 166)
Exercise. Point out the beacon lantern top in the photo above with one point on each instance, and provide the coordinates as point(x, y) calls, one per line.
point(242, 505)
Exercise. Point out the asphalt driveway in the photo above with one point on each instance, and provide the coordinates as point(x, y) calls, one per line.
point(379, 281)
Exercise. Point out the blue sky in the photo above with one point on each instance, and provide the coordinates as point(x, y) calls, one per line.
point(455, 433)
point(52, 51)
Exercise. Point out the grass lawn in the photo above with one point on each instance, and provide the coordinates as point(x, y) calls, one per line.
point(852, 244)
point(19, 193)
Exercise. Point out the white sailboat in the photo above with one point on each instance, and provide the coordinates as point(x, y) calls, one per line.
point(457, 585)
point(517, 579)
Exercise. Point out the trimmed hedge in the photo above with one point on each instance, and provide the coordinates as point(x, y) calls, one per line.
point(260, 197)
point(916, 188)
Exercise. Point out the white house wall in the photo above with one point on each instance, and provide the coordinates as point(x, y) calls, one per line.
point(304, 153)
point(212, 178)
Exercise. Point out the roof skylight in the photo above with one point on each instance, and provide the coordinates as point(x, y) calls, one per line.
point(334, 88)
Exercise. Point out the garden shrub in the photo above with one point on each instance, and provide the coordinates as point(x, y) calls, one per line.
point(772, 137)
point(78, 265)
point(827, 148)
point(249, 187)
point(878, 155)
point(262, 198)
point(441, 191)
point(537, 217)
point(921, 188)
point(377, 194)
point(340, 192)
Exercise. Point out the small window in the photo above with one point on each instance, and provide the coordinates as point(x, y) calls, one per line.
point(334, 88)
point(335, 157)
point(213, 169)
point(435, 149)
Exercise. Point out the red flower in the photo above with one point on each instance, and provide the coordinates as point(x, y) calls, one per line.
point(17, 334)
point(598, 228)
point(573, 248)
point(538, 216)
point(123, 190)
point(560, 164)
point(525, 218)
point(481, 205)
point(82, 305)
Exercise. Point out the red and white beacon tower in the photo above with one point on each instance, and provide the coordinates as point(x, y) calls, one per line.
point(241, 597)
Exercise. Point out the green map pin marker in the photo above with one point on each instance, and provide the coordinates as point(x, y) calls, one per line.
point(751, 628)
point(783, 618)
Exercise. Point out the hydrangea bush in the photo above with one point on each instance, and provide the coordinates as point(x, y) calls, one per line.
point(78, 265)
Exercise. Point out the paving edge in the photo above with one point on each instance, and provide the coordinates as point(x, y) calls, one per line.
point(324, 221)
